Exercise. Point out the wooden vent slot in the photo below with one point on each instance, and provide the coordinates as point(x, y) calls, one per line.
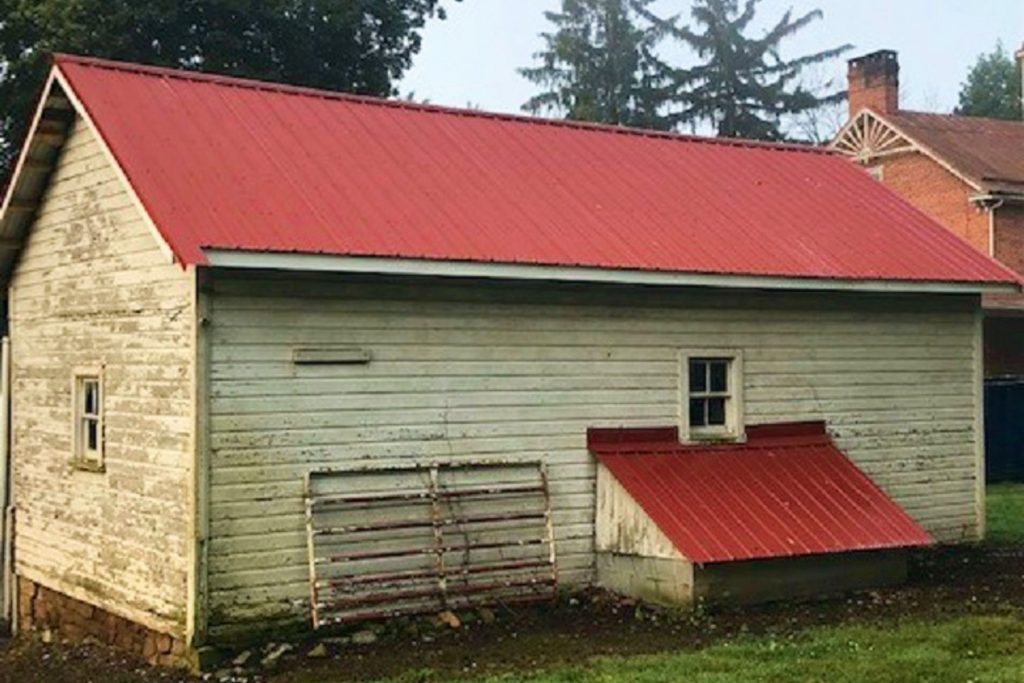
point(331, 355)
point(422, 539)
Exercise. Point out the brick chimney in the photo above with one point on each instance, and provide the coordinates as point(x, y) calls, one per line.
point(874, 82)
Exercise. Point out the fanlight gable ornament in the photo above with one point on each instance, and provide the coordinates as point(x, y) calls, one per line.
point(868, 137)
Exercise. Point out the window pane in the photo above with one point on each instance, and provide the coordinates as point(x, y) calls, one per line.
point(698, 376)
point(91, 391)
point(697, 412)
point(719, 372)
point(92, 435)
point(716, 411)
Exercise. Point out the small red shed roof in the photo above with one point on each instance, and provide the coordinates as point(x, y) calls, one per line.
point(787, 491)
point(228, 164)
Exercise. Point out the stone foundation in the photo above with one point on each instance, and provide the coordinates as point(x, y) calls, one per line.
point(41, 609)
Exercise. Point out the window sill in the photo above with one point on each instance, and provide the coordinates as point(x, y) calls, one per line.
point(714, 437)
point(87, 466)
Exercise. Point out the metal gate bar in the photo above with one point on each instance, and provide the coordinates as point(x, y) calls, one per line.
point(461, 535)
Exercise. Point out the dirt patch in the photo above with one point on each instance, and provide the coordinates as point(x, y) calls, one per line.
point(944, 582)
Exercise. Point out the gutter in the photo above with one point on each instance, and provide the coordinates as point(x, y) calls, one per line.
point(994, 200)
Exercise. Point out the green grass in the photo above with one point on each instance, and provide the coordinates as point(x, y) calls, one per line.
point(1005, 506)
point(983, 649)
point(978, 649)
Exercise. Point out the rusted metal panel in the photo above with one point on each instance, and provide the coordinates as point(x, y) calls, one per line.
point(448, 539)
point(787, 491)
point(515, 190)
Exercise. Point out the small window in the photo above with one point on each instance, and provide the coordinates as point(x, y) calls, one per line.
point(88, 427)
point(712, 396)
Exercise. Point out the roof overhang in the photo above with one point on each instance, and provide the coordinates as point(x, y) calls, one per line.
point(45, 135)
point(290, 261)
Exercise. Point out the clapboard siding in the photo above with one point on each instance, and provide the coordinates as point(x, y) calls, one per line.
point(479, 371)
point(93, 288)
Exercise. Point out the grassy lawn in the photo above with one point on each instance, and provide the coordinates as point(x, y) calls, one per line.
point(984, 649)
point(1006, 513)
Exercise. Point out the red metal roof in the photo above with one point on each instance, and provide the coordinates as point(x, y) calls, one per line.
point(233, 164)
point(787, 491)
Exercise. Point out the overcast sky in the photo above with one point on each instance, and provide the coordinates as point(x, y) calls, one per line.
point(471, 58)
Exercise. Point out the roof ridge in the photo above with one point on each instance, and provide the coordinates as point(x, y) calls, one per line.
point(287, 89)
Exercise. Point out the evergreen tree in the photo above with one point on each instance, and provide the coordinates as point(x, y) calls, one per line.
point(992, 87)
point(361, 46)
point(597, 65)
point(743, 87)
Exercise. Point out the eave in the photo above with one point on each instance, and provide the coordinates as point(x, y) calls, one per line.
point(290, 261)
point(48, 129)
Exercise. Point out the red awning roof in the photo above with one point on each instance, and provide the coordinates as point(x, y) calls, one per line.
point(787, 491)
point(230, 164)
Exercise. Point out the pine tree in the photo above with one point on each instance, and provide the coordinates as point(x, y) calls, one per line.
point(597, 65)
point(743, 87)
point(992, 87)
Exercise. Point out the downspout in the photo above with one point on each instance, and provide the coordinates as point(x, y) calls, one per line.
point(6, 496)
point(989, 203)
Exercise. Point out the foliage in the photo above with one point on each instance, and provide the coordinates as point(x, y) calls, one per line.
point(992, 87)
point(355, 45)
point(597, 65)
point(743, 86)
point(1005, 510)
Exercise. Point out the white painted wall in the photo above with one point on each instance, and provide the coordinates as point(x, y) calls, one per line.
point(91, 288)
point(622, 527)
point(465, 370)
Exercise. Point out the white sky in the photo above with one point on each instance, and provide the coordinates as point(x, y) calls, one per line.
point(471, 58)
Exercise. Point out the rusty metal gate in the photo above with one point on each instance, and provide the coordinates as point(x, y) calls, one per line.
point(427, 538)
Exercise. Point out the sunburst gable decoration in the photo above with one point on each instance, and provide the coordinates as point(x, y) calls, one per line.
point(868, 137)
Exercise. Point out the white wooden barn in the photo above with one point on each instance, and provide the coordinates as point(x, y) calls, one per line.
point(249, 322)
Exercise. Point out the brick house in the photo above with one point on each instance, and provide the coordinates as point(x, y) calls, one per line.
point(965, 172)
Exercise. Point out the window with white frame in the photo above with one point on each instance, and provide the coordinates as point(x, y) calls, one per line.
point(712, 387)
point(88, 427)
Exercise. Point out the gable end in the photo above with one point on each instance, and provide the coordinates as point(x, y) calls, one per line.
point(57, 112)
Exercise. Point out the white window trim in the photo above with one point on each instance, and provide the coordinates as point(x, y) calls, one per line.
point(734, 428)
point(81, 459)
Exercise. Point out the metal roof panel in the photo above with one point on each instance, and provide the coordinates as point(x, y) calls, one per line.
point(787, 491)
point(226, 163)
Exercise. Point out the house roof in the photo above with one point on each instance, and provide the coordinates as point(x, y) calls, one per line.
point(787, 491)
point(988, 152)
point(228, 165)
